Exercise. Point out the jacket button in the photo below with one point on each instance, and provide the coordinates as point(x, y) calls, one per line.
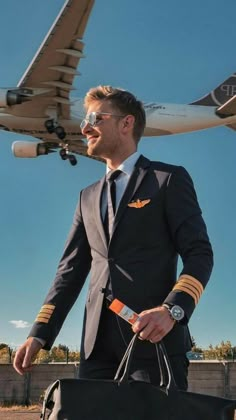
point(111, 259)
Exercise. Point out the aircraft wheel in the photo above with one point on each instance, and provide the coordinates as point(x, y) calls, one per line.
point(73, 160)
point(49, 125)
point(63, 154)
point(60, 132)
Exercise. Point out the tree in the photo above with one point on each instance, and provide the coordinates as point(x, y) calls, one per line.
point(5, 353)
point(2, 345)
point(222, 351)
point(43, 356)
point(195, 348)
point(63, 347)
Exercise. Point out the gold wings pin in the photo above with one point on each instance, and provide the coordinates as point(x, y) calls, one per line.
point(139, 204)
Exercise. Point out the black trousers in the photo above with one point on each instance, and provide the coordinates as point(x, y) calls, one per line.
point(110, 347)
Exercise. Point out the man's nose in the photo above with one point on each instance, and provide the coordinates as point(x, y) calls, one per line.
point(86, 129)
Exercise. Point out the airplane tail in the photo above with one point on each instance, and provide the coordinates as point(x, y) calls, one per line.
point(220, 94)
point(224, 98)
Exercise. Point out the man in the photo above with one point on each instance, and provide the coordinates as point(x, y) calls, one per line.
point(132, 255)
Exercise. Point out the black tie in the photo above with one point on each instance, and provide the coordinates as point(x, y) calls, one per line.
point(109, 217)
point(111, 199)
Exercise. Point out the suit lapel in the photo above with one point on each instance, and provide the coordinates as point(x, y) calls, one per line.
point(141, 167)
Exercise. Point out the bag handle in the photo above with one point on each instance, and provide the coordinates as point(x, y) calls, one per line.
point(165, 367)
point(125, 362)
point(167, 381)
point(160, 363)
point(47, 397)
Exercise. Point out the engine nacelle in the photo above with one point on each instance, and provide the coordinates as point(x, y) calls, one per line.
point(9, 97)
point(27, 149)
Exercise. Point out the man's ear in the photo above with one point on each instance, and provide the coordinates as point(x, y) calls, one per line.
point(129, 121)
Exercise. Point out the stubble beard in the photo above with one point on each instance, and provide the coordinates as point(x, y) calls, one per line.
point(94, 150)
point(100, 150)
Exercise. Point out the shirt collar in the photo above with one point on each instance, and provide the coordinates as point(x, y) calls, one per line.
point(128, 165)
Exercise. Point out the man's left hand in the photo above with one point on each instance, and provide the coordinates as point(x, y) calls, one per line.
point(153, 324)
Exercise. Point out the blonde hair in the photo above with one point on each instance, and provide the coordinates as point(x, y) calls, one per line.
point(122, 100)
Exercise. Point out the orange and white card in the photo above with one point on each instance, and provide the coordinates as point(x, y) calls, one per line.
point(123, 311)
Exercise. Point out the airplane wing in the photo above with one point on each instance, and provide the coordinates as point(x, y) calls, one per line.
point(49, 78)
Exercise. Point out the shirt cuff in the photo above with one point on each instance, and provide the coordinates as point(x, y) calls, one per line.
point(41, 341)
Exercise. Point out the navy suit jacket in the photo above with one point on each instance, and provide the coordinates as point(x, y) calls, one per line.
point(140, 258)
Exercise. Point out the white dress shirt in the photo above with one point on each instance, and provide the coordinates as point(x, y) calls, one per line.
point(127, 168)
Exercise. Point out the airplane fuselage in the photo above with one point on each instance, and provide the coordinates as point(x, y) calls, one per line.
point(42, 105)
point(162, 119)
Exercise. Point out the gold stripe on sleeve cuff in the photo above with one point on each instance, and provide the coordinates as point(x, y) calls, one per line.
point(189, 292)
point(45, 313)
point(48, 306)
point(190, 285)
point(41, 319)
point(187, 286)
point(194, 281)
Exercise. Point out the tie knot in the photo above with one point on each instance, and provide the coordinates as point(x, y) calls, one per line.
point(112, 175)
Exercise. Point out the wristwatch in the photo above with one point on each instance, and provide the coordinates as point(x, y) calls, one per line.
point(175, 311)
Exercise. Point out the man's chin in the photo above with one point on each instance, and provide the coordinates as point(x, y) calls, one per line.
point(94, 152)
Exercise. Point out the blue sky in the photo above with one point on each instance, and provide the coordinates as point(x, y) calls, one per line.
point(161, 51)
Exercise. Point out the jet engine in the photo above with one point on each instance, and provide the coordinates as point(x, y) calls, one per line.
point(9, 97)
point(27, 149)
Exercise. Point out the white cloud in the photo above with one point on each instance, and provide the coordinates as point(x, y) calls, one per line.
point(20, 323)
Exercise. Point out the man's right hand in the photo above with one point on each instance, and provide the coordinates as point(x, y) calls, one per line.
point(25, 355)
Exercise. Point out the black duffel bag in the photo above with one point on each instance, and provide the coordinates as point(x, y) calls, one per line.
point(125, 399)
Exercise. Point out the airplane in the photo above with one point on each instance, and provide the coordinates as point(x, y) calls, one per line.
point(41, 105)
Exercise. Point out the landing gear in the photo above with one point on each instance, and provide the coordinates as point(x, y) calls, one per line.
point(52, 127)
point(49, 125)
point(60, 132)
point(64, 153)
point(73, 160)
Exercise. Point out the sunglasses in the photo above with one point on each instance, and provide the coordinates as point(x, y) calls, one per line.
point(94, 118)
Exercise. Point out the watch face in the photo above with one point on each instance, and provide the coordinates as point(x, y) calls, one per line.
point(177, 312)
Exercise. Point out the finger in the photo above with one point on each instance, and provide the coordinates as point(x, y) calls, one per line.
point(18, 360)
point(158, 334)
point(147, 332)
point(140, 324)
point(22, 360)
point(30, 355)
point(28, 369)
point(156, 338)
